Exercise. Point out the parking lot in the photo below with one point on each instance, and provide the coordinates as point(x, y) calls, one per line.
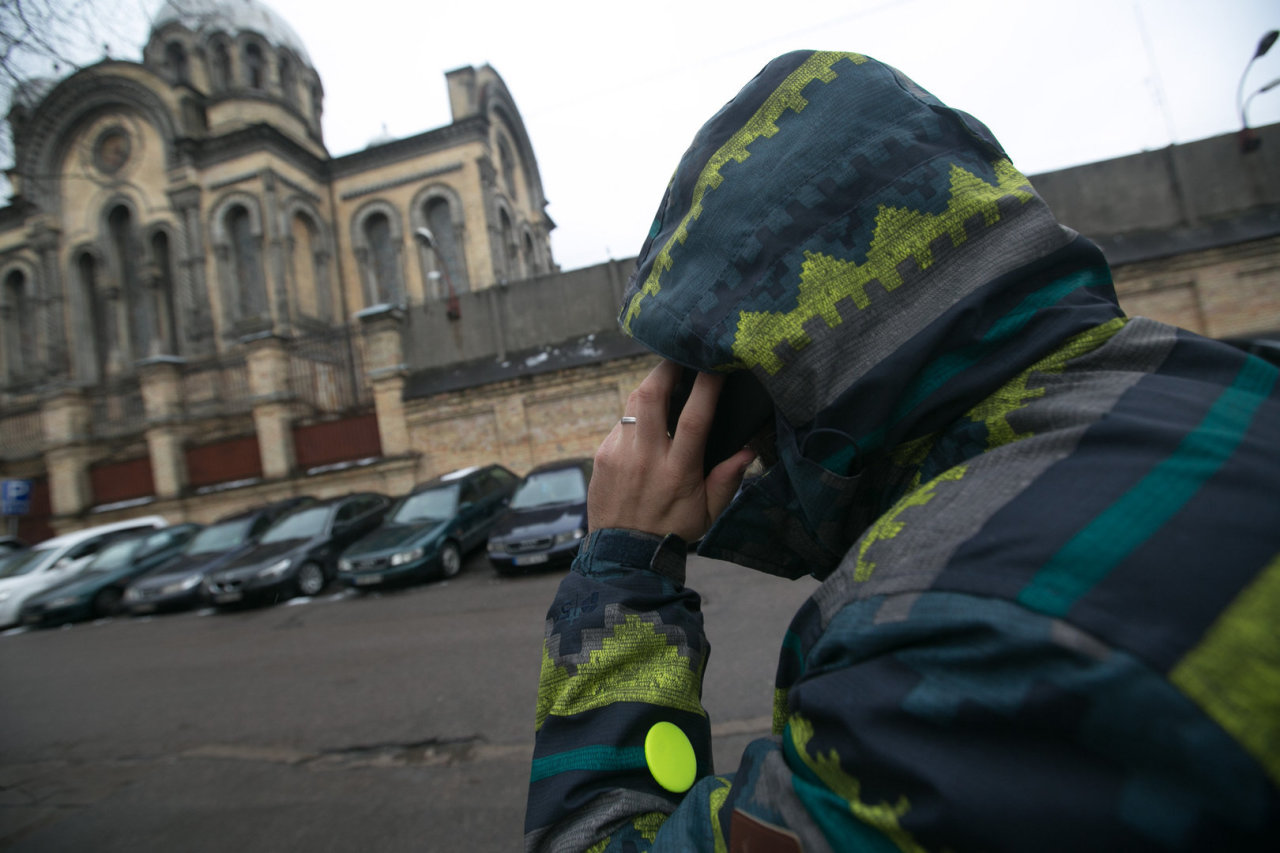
point(391, 721)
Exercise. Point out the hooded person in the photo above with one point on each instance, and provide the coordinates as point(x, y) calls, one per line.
point(1048, 534)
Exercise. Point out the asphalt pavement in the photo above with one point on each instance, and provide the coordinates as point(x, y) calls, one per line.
point(399, 720)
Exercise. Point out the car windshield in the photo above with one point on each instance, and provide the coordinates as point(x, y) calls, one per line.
point(116, 555)
point(429, 505)
point(23, 563)
point(220, 537)
point(299, 525)
point(544, 488)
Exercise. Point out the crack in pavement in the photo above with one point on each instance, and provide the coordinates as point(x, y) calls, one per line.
point(34, 794)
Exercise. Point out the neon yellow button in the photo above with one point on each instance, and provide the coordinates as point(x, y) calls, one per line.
point(670, 757)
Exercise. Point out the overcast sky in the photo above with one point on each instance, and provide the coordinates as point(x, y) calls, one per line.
point(612, 93)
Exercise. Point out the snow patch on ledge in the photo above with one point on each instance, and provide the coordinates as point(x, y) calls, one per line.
point(343, 466)
point(228, 486)
point(132, 502)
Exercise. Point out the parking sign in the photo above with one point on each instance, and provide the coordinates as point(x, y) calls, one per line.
point(15, 497)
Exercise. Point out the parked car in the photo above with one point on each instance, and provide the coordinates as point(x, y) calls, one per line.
point(97, 591)
point(55, 560)
point(546, 520)
point(175, 584)
point(9, 544)
point(429, 530)
point(298, 554)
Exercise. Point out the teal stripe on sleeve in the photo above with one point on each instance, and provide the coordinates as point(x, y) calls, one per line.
point(1123, 527)
point(592, 758)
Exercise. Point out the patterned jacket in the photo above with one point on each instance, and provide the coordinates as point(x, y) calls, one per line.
point(1048, 534)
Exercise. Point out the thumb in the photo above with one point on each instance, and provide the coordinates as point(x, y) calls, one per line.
point(724, 480)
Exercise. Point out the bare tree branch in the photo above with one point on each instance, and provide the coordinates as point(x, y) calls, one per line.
point(54, 38)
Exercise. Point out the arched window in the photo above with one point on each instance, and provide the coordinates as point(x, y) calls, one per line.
point(529, 255)
point(384, 261)
point(439, 218)
point(508, 164)
point(254, 66)
point(317, 104)
point(101, 325)
point(311, 279)
point(510, 252)
point(161, 275)
point(137, 305)
point(288, 86)
point(246, 265)
point(18, 327)
point(175, 56)
point(221, 66)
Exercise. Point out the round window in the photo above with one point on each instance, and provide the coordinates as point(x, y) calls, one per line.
point(112, 150)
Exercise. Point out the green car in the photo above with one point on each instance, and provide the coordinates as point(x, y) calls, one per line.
point(97, 590)
point(428, 531)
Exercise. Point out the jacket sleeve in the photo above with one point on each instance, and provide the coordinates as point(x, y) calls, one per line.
point(624, 650)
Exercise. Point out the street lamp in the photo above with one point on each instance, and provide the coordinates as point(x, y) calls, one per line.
point(1249, 140)
point(428, 241)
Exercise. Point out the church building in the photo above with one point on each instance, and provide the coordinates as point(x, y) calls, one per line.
point(182, 259)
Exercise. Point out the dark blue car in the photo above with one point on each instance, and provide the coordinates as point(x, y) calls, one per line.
point(546, 520)
point(429, 530)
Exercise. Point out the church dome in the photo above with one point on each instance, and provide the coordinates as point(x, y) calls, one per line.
point(232, 17)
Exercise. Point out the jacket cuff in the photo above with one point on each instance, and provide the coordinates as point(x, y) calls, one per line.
point(608, 549)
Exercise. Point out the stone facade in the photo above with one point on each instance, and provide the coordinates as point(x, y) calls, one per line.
point(182, 261)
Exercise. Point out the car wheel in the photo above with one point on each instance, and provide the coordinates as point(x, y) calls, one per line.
point(450, 559)
point(310, 579)
point(107, 602)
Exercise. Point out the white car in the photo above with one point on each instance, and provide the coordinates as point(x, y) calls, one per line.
point(55, 560)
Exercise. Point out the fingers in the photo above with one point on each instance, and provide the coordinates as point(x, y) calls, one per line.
point(724, 480)
point(649, 403)
point(690, 439)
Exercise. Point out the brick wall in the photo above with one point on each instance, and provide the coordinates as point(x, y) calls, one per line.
point(1219, 292)
point(523, 422)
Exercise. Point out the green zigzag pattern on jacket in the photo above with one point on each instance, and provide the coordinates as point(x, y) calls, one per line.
point(648, 825)
point(635, 663)
point(1234, 672)
point(1018, 392)
point(780, 710)
point(888, 526)
point(762, 123)
point(715, 802)
point(899, 234)
point(1013, 395)
point(884, 817)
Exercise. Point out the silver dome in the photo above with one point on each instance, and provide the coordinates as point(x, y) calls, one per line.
point(231, 16)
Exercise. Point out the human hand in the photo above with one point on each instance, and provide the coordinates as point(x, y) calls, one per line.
point(649, 481)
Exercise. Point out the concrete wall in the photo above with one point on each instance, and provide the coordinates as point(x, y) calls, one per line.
point(1173, 188)
point(518, 317)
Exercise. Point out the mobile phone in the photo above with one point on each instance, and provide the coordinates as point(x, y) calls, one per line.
point(743, 409)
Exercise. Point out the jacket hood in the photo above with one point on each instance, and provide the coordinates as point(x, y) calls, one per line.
point(875, 260)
